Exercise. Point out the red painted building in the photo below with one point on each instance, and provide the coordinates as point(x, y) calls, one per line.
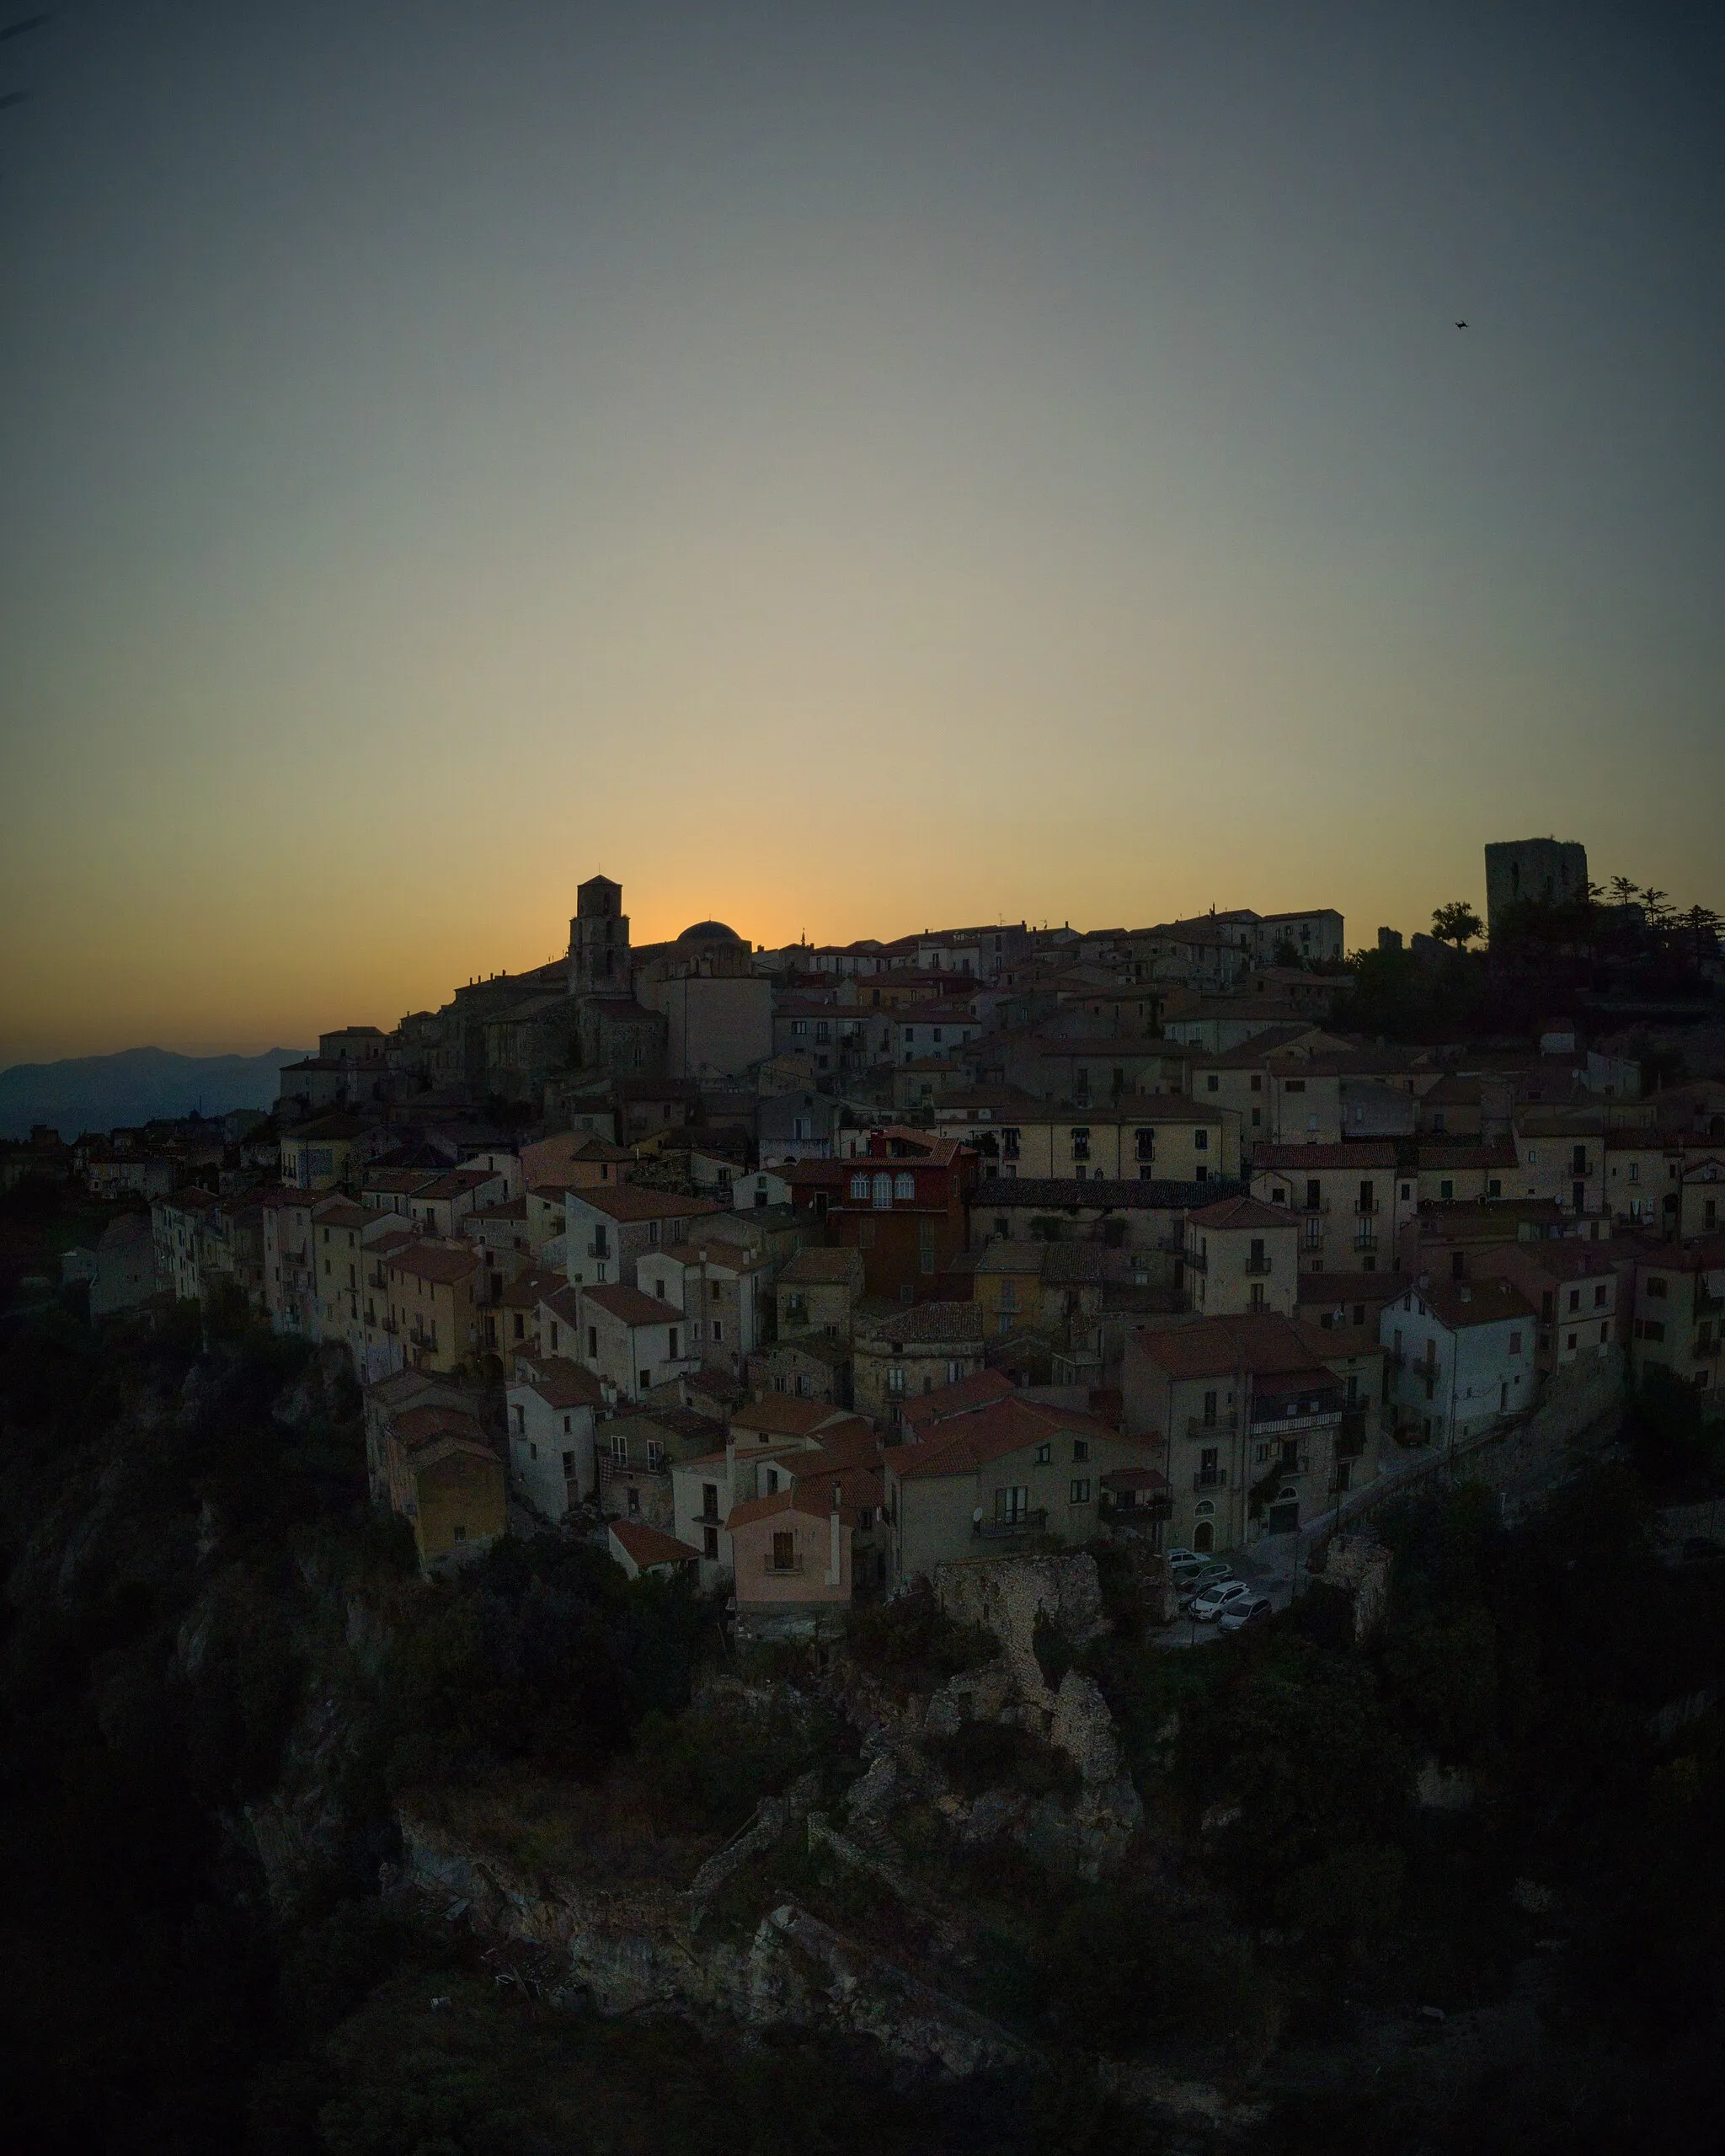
point(902, 1204)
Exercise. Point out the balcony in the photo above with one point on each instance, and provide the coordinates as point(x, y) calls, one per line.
point(781, 1568)
point(1365, 1236)
point(1268, 1428)
point(1209, 1478)
point(1366, 1207)
point(1025, 1524)
point(1196, 1262)
point(1311, 1211)
point(1201, 1432)
point(1257, 1268)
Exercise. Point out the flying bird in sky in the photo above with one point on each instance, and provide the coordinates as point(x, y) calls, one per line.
point(1461, 325)
point(12, 97)
point(18, 29)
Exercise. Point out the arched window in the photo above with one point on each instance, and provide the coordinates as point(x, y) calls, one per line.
point(904, 1185)
point(859, 1186)
point(882, 1192)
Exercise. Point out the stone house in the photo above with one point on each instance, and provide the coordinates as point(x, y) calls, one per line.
point(430, 1316)
point(796, 1555)
point(444, 1476)
point(634, 1340)
point(1678, 1317)
point(1351, 1201)
point(996, 1477)
point(1248, 1419)
point(906, 1349)
point(1242, 1256)
point(817, 1292)
point(550, 1407)
point(719, 1286)
point(1462, 1357)
point(814, 1367)
point(608, 1231)
point(636, 1450)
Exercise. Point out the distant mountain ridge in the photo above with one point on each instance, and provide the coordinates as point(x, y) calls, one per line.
point(102, 1093)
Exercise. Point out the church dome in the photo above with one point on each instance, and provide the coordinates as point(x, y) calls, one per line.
point(710, 932)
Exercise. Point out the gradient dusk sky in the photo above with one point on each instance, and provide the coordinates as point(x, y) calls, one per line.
point(839, 468)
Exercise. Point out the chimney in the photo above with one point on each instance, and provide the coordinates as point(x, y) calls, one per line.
point(835, 1564)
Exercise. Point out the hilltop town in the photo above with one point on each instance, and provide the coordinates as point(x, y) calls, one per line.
point(810, 1270)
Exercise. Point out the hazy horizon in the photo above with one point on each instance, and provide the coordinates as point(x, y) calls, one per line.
point(841, 471)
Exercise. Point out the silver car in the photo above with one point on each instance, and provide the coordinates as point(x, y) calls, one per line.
point(1241, 1612)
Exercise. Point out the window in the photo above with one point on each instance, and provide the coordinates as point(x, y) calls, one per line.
point(904, 1185)
point(521, 1421)
point(1209, 1411)
point(1044, 1454)
point(1314, 1194)
point(882, 1192)
point(859, 1186)
point(1654, 1330)
point(718, 1329)
point(620, 1449)
point(895, 1379)
point(709, 1542)
point(1655, 1284)
point(1515, 1343)
point(1213, 1084)
point(1012, 1505)
point(1600, 1297)
point(592, 1343)
point(1200, 1141)
point(1293, 1085)
point(1406, 1192)
point(1080, 1491)
point(634, 1502)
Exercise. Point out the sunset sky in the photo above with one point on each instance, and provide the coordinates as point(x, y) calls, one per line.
point(840, 468)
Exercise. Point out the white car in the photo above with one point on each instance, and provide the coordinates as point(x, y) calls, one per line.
point(1180, 1555)
point(1216, 1597)
point(1242, 1612)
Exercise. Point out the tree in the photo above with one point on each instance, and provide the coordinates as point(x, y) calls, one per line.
point(1624, 891)
point(1702, 923)
point(1455, 924)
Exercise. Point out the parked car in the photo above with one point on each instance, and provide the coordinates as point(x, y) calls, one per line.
point(1243, 1611)
point(1215, 1598)
point(1207, 1575)
point(1179, 1554)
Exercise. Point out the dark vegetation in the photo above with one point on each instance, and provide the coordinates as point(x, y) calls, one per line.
point(1545, 961)
point(205, 1625)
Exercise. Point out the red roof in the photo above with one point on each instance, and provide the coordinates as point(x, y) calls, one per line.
point(963, 1398)
point(650, 1546)
point(633, 1307)
point(972, 1441)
